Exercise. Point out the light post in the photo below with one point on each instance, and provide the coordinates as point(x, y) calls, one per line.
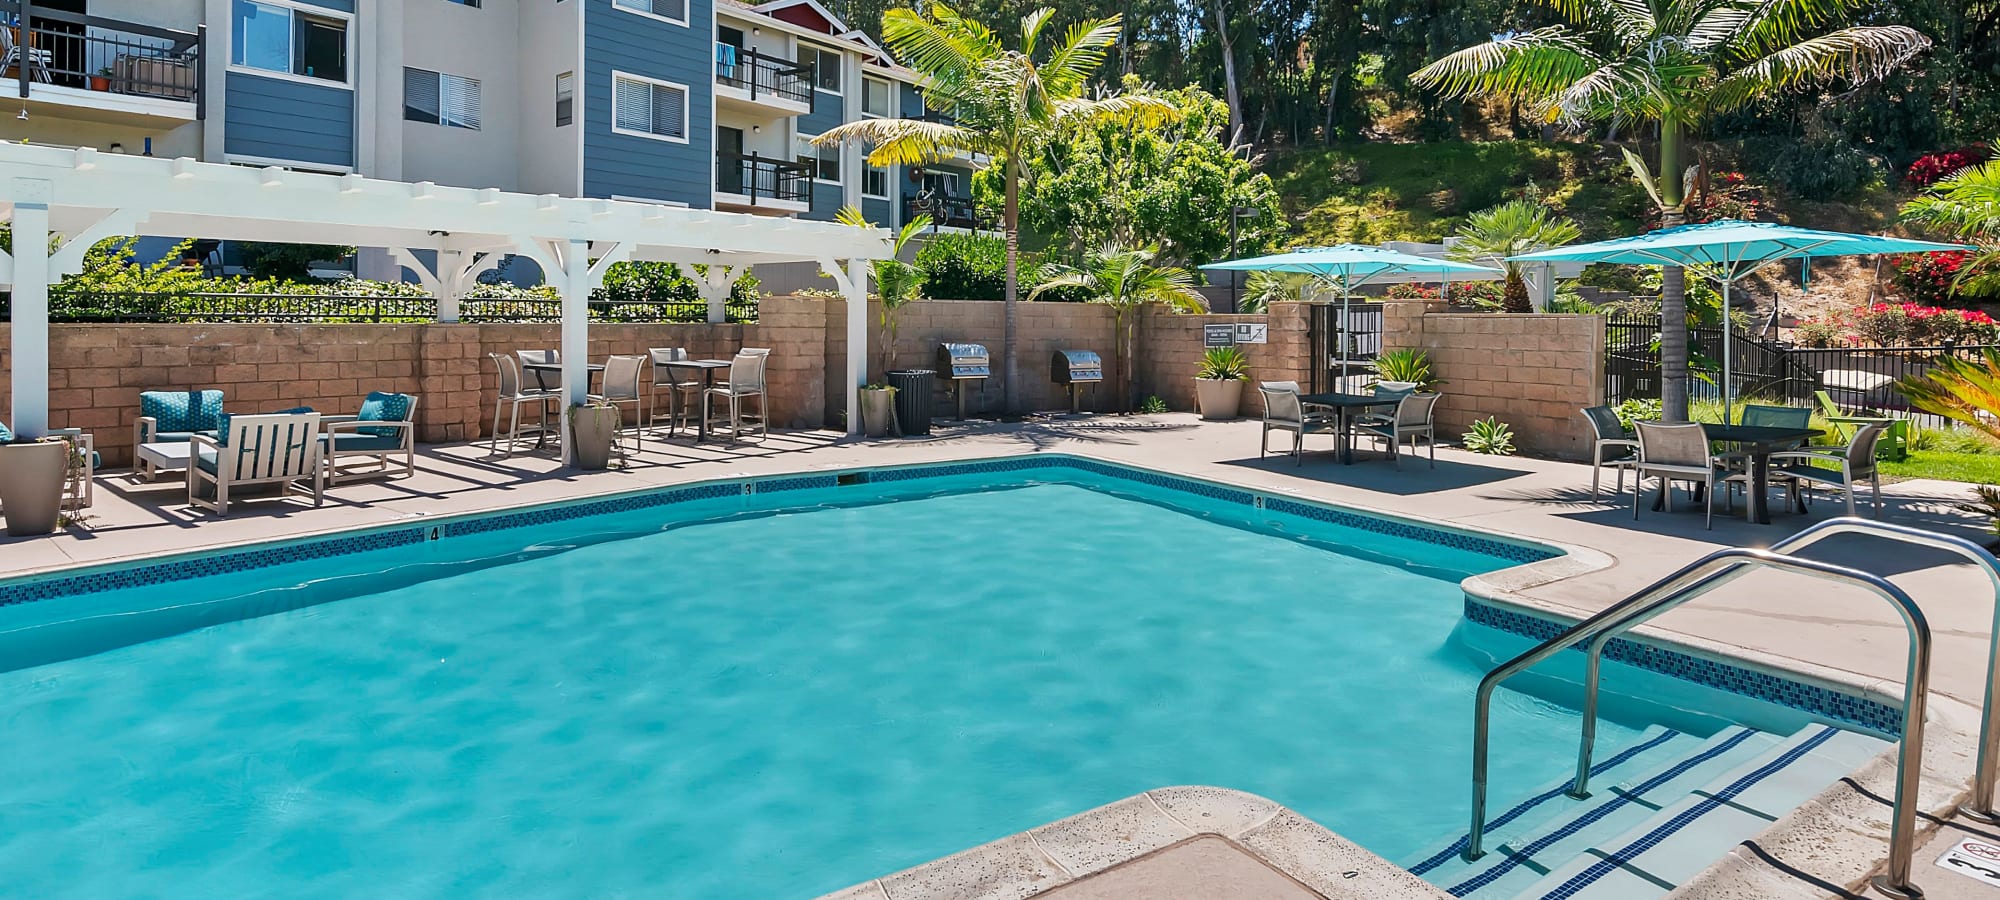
point(1236, 214)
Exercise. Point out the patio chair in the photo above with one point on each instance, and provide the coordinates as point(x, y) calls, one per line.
point(1390, 393)
point(683, 392)
point(1675, 453)
point(1761, 416)
point(515, 395)
point(622, 386)
point(170, 417)
point(1849, 466)
point(541, 379)
point(1411, 419)
point(1611, 447)
point(1895, 441)
point(1283, 412)
point(386, 427)
point(11, 55)
point(746, 380)
point(280, 448)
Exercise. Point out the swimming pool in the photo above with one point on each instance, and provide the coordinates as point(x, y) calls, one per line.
point(744, 690)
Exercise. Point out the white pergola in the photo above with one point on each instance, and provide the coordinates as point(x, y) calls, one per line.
point(61, 201)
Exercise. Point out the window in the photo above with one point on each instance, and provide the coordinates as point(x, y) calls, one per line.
point(824, 161)
point(440, 99)
point(874, 181)
point(874, 97)
point(674, 11)
point(826, 66)
point(941, 184)
point(565, 98)
point(274, 38)
point(472, 3)
point(654, 109)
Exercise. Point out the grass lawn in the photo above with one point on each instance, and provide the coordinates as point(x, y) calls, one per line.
point(1976, 468)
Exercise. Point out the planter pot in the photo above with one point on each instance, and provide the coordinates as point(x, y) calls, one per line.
point(100, 82)
point(593, 428)
point(31, 485)
point(1219, 398)
point(878, 410)
point(1397, 385)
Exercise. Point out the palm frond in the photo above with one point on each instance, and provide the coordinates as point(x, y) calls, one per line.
point(1627, 86)
point(945, 47)
point(1963, 390)
point(1137, 110)
point(1965, 205)
point(1031, 29)
point(1859, 54)
point(1528, 66)
point(903, 142)
point(1766, 26)
point(1630, 20)
point(1082, 52)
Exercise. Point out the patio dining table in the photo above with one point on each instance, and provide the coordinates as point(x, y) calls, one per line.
point(1758, 443)
point(707, 369)
point(544, 371)
point(1340, 403)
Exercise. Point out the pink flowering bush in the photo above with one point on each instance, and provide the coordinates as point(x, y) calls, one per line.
point(1902, 325)
point(1931, 168)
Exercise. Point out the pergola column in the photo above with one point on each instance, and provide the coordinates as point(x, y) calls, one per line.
point(853, 283)
point(30, 280)
point(567, 265)
point(715, 287)
point(446, 279)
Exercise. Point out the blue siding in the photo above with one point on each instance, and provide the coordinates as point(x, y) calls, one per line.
point(826, 113)
point(289, 120)
point(632, 166)
point(877, 211)
point(827, 200)
point(342, 5)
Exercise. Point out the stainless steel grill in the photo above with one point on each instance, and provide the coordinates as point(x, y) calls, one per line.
point(1076, 367)
point(958, 364)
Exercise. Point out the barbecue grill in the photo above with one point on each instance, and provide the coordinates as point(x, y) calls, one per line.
point(1074, 367)
point(958, 364)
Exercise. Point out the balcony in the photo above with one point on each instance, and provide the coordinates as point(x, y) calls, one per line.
point(106, 70)
point(947, 211)
point(761, 184)
point(759, 83)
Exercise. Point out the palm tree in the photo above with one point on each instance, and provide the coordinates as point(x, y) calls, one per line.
point(1967, 207)
point(1125, 279)
point(1679, 63)
point(897, 283)
point(1511, 229)
point(1265, 288)
point(1005, 104)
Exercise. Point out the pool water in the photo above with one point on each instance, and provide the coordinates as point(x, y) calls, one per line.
point(762, 706)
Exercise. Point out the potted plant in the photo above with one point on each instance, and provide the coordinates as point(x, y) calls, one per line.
point(878, 409)
point(1218, 382)
point(1406, 370)
point(32, 474)
point(102, 80)
point(592, 428)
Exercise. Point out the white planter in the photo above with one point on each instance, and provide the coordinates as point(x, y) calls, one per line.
point(1219, 398)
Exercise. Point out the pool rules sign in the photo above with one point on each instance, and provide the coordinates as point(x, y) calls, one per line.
point(1975, 859)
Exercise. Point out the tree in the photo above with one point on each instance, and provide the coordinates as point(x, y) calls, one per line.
point(1511, 229)
point(1966, 206)
point(1174, 187)
point(1005, 103)
point(288, 262)
point(1266, 288)
point(1125, 279)
point(897, 283)
point(1679, 63)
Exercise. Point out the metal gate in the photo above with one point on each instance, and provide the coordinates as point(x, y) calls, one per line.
point(1327, 333)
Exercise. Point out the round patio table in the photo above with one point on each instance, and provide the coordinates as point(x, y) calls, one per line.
point(1758, 443)
point(1340, 404)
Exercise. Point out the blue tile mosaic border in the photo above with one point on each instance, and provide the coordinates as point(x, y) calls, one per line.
point(1810, 698)
point(60, 585)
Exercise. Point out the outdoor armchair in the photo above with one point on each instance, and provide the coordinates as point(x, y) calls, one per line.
point(1841, 469)
point(1675, 453)
point(167, 417)
point(1411, 419)
point(281, 448)
point(385, 428)
point(1284, 412)
point(1610, 447)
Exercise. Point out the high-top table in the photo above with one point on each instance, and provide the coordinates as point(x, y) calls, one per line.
point(543, 369)
point(1340, 404)
point(1758, 443)
point(707, 369)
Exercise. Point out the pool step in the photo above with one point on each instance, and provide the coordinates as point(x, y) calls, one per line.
point(1656, 820)
point(1678, 842)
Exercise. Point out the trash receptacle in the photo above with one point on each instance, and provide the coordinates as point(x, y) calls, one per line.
point(913, 399)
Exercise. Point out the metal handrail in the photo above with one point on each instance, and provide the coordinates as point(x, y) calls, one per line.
point(1980, 806)
point(1692, 581)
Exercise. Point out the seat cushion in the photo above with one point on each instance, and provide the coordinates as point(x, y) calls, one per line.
point(6, 434)
point(182, 410)
point(364, 443)
point(384, 407)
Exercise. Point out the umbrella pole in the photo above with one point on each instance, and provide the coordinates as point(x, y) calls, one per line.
point(1726, 329)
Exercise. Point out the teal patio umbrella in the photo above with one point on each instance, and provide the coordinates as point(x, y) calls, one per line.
point(1728, 250)
point(1349, 266)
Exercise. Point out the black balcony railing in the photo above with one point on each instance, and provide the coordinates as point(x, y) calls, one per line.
point(947, 211)
point(761, 74)
point(94, 53)
point(763, 178)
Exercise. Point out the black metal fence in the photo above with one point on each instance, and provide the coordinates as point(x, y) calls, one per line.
point(758, 177)
point(947, 211)
point(136, 306)
point(73, 50)
point(1328, 333)
point(764, 74)
point(1854, 377)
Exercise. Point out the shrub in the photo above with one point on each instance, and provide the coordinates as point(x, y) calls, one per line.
point(1931, 168)
point(1819, 334)
point(1932, 278)
point(1486, 295)
point(1638, 409)
point(964, 267)
point(1223, 364)
point(1916, 325)
point(1154, 404)
point(1409, 366)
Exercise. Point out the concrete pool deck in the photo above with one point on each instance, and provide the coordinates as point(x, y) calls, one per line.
point(1783, 616)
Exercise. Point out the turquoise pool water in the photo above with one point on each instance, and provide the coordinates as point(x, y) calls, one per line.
point(752, 704)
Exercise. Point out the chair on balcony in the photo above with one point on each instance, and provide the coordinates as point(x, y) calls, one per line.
point(11, 54)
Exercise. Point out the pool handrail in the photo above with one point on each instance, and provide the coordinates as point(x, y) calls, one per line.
point(1694, 580)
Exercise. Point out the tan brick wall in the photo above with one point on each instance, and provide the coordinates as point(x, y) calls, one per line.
point(1170, 350)
point(1534, 372)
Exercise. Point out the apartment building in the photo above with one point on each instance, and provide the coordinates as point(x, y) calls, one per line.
point(700, 103)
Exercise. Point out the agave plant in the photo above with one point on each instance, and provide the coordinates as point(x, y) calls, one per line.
point(1223, 364)
point(1408, 366)
point(1490, 436)
point(1680, 63)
